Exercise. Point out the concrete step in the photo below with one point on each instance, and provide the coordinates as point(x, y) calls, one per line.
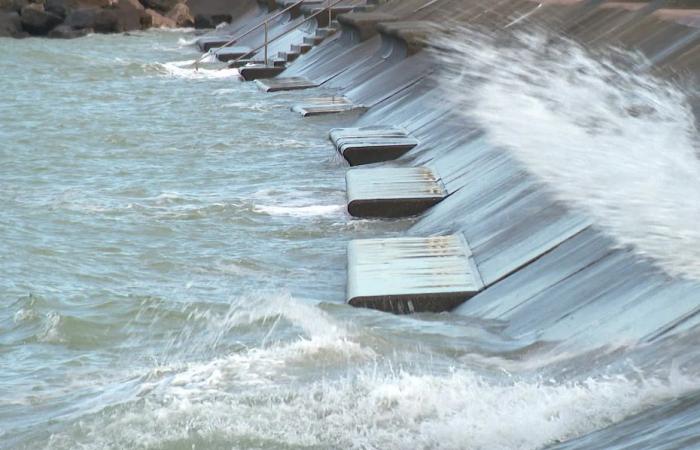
point(227, 54)
point(325, 105)
point(285, 84)
point(414, 274)
point(312, 40)
point(288, 56)
point(369, 145)
point(324, 32)
point(245, 62)
point(206, 43)
point(392, 192)
point(301, 48)
point(249, 73)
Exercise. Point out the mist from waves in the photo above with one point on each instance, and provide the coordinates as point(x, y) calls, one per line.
point(601, 132)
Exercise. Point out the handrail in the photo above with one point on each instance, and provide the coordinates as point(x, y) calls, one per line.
point(328, 7)
point(239, 37)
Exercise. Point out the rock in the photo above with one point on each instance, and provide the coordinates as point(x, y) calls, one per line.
point(107, 21)
point(211, 20)
point(36, 20)
point(161, 5)
point(160, 21)
point(10, 25)
point(91, 3)
point(181, 15)
point(100, 20)
point(58, 7)
point(13, 5)
point(65, 32)
point(82, 18)
point(131, 15)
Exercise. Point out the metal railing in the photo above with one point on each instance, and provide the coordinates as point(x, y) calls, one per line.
point(213, 52)
point(327, 8)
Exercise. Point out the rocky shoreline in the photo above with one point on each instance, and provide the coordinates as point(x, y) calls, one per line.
point(75, 18)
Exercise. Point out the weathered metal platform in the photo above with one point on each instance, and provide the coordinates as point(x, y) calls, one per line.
point(254, 72)
point(230, 53)
point(325, 105)
point(405, 275)
point(206, 43)
point(285, 84)
point(369, 145)
point(392, 192)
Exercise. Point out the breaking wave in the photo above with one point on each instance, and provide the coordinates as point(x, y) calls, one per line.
point(612, 139)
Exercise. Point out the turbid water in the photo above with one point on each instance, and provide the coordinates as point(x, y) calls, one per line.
point(172, 269)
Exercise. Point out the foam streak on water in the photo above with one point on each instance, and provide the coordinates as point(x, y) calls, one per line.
point(618, 142)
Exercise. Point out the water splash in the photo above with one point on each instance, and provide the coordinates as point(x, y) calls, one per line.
point(185, 69)
point(364, 410)
point(617, 142)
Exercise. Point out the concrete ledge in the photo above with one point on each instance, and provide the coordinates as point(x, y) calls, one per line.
point(325, 105)
point(392, 192)
point(408, 275)
point(249, 73)
point(285, 84)
point(369, 145)
point(206, 43)
point(365, 23)
point(230, 53)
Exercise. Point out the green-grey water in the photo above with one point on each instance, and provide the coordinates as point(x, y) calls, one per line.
point(172, 270)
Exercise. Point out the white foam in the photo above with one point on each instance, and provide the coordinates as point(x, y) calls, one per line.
point(186, 69)
point(607, 137)
point(253, 398)
point(300, 211)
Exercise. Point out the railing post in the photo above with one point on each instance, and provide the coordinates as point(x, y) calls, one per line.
point(329, 13)
point(266, 43)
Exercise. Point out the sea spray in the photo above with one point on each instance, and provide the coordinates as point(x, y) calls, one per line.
point(619, 143)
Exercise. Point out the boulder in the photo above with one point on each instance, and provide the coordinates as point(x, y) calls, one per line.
point(82, 18)
point(65, 32)
point(13, 5)
point(73, 4)
point(100, 20)
point(160, 21)
point(36, 20)
point(181, 15)
point(10, 25)
point(59, 7)
point(130, 15)
point(107, 21)
point(161, 5)
point(211, 20)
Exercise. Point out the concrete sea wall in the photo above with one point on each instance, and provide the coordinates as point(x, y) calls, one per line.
point(491, 239)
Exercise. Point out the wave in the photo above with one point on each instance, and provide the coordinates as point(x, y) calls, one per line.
point(186, 70)
point(614, 140)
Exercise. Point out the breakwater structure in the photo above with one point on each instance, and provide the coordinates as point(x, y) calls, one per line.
point(557, 236)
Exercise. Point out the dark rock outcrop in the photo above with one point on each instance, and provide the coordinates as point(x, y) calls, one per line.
point(60, 8)
point(82, 18)
point(36, 20)
point(13, 5)
point(10, 25)
point(99, 20)
point(160, 5)
point(211, 20)
point(65, 32)
point(131, 15)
